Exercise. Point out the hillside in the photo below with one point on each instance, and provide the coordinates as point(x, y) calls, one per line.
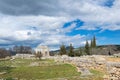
point(100, 50)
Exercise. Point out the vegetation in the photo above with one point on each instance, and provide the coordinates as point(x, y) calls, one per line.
point(4, 53)
point(47, 69)
point(38, 55)
point(93, 45)
point(93, 42)
point(97, 73)
point(22, 49)
point(62, 50)
point(78, 52)
point(71, 51)
point(87, 48)
point(16, 49)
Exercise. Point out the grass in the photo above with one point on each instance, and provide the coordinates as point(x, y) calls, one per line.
point(97, 73)
point(47, 69)
point(113, 59)
point(43, 72)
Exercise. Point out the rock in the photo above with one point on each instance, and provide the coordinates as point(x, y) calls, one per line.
point(106, 77)
point(116, 55)
point(1, 73)
point(85, 72)
point(34, 64)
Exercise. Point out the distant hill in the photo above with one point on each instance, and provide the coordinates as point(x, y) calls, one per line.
point(99, 50)
point(106, 49)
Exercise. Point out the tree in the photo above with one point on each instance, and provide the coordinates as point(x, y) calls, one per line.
point(4, 53)
point(22, 49)
point(71, 51)
point(62, 50)
point(38, 55)
point(87, 49)
point(94, 42)
point(91, 43)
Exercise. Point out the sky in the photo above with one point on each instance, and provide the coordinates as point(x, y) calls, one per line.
point(56, 22)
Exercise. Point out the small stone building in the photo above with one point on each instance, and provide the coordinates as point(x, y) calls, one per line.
point(43, 49)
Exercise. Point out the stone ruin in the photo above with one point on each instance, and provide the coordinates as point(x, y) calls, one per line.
point(97, 62)
point(44, 50)
point(24, 56)
point(113, 69)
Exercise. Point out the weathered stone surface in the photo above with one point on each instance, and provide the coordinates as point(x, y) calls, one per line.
point(26, 56)
point(85, 72)
point(98, 62)
point(34, 64)
point(43, 49)
point(117, 55)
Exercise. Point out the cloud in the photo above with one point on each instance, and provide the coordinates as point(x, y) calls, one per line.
point(28, 7)
point(29, 30)
point(42, 21)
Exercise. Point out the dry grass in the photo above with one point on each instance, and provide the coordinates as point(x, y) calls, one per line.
point(113, 59)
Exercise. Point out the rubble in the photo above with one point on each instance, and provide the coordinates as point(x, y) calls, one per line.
point(97, 62)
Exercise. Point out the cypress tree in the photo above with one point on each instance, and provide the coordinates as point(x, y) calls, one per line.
point(87, 49)
point(91, 44)
point(94, 42)
point(71, 51)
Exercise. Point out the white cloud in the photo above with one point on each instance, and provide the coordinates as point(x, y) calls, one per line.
point(49, 30)
point(94, 13)
point(4, 41)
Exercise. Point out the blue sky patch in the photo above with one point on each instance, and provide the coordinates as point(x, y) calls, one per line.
point(109, 3)
point(78, 23)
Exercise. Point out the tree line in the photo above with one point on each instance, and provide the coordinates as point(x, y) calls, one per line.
point(16, 49)
point(86, 50)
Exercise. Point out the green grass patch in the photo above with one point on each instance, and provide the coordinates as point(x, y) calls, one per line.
point(48, 69)
point(43, 72)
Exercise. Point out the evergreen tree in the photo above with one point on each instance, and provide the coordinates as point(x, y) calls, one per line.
point(62, 49)
point(91, 44)
point(94, 42)
point(87, 49)
point(71, 51)
point(91, 47)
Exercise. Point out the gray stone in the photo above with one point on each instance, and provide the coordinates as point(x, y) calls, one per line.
point(85, 72)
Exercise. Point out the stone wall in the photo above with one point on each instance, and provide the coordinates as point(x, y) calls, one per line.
point(24, 56)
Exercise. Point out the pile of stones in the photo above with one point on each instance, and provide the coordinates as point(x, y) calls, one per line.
point(114, 70)
point(98, 62)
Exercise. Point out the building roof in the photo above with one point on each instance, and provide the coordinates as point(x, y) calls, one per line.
point(42, 47)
